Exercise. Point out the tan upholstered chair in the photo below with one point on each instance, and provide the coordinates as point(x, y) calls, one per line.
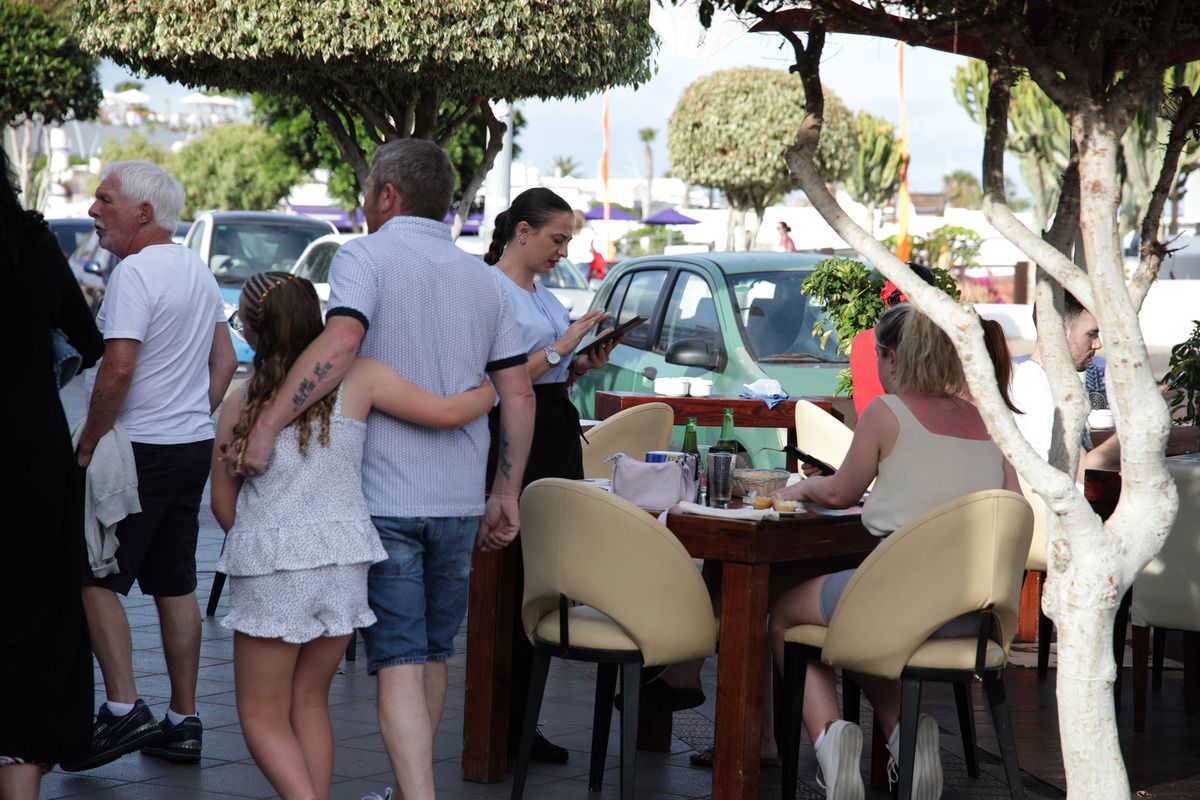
point(1166, 593)
point(634, 431)
point(963, 556)
point(821, 434)
point(605, 582)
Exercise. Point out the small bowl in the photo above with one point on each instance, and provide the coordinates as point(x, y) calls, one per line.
point(762, 481)
point(699, 387)
point(671, 387)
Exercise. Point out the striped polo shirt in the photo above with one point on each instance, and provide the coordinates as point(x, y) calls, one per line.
point(439, 317)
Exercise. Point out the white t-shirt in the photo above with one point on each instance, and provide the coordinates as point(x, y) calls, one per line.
point(166, 298)
point(1031, 393)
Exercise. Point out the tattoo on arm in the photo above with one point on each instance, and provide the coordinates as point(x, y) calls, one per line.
point(502, 462)
point(307, 386)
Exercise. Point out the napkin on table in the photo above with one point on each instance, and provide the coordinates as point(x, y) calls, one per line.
point(750, 514)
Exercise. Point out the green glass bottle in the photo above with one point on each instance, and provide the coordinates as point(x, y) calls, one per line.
point(692, 449)
point(728, 440)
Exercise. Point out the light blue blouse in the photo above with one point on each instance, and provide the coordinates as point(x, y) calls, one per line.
point(541, 319)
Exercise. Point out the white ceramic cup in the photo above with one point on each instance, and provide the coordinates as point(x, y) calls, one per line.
point(699, 387)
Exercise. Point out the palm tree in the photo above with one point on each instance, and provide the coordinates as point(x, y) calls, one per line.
point(565, 167)
point(647, 136)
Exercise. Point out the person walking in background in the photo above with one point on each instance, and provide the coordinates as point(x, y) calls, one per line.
point(527, 241)
point(46, 669)
point(168, 360)
point(407, 296)
point(786, 245)
point(299, 582)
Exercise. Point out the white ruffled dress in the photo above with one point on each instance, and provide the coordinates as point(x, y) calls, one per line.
point(302, 543)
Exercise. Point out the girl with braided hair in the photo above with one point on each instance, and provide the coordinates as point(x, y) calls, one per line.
point(300, 539)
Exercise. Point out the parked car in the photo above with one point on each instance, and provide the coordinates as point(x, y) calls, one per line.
point(93, 265)
point(71, 233)
point(730, 317)
point(314, 262)
point(238, 244)
point(567, 283)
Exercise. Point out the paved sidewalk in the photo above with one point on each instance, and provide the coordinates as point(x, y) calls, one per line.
point(1165, 761)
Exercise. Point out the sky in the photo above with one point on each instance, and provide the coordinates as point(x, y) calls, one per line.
point(860, 70)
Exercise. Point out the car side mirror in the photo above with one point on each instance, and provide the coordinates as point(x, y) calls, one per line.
point(93, 266)
point(695, 353)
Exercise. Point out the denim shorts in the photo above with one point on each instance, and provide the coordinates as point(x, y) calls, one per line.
point(419, 595)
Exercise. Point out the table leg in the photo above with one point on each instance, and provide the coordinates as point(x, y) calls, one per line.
point(740, 681)
point(489, 666)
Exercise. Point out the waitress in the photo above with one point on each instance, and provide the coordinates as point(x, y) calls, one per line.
point(528, 240)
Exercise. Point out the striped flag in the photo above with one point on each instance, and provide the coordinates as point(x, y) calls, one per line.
point(609, 252)
point(903, 201)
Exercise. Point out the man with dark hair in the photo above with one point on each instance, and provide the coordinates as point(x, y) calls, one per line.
point(407, 296)
point(1031, 388)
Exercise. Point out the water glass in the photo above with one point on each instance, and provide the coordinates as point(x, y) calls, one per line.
point(720, 479)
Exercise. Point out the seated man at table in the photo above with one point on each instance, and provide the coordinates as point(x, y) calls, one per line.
point(1031, 390)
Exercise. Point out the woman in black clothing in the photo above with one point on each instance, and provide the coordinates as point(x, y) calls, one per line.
point(528, 241)
point(46, 668)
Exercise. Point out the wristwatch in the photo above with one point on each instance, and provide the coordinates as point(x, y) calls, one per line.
point(552, 356)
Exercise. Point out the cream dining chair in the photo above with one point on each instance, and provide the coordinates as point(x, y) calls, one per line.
point(605, 583)
point(821, 434)
point(1166, 593)
point(634, 431)
point(963, 556)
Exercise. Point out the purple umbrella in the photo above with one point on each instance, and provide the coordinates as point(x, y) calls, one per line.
point(470, 226)
point(614, 213)
point(669, 216)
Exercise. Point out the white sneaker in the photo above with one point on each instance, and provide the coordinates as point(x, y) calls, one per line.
point(387, 794)
point(927, 764)
point(838, 760)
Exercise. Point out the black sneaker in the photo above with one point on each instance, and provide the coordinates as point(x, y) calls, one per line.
point(113, 737)
point(180, 743)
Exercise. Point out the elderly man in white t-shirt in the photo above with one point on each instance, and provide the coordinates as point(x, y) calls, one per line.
point(1031, 390)
point(167, 362)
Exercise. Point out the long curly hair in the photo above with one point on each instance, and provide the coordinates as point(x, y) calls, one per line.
point(284, 313)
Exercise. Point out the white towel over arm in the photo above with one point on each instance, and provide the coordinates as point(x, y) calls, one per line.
point(110, 494)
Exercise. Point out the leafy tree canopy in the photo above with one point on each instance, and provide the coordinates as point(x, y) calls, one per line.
point(388, 68)
point(874, 174)
point(43, 73)
point(309, 143)
point(730, 128)
point(235, 167)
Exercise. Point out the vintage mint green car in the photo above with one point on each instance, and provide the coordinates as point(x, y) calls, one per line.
point(729, 317)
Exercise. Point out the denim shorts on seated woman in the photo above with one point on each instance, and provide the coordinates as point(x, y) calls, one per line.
point(964, 626)
point(419, 595)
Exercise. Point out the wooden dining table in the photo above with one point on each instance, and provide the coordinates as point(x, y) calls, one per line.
point(810, 543)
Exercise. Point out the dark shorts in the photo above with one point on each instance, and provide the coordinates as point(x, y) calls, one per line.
point(157, 546)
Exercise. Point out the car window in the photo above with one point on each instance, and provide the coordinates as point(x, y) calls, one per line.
point(690, 313)
point(316, 269)
point(639, 300)
point(242, 249)
point(565, 275)
point(197, 234)
point(778, 318)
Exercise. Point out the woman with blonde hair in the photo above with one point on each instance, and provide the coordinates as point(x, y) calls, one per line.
point(300, 539)
point(924, 444)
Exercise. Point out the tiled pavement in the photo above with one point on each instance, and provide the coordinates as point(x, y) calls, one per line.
point(1164, 762)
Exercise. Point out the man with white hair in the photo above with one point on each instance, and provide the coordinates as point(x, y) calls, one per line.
point(167, 362)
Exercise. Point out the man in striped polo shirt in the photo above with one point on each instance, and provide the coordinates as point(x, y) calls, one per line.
point(407, 296)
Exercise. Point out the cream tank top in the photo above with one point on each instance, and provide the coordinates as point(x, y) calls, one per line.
point(925, 470)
